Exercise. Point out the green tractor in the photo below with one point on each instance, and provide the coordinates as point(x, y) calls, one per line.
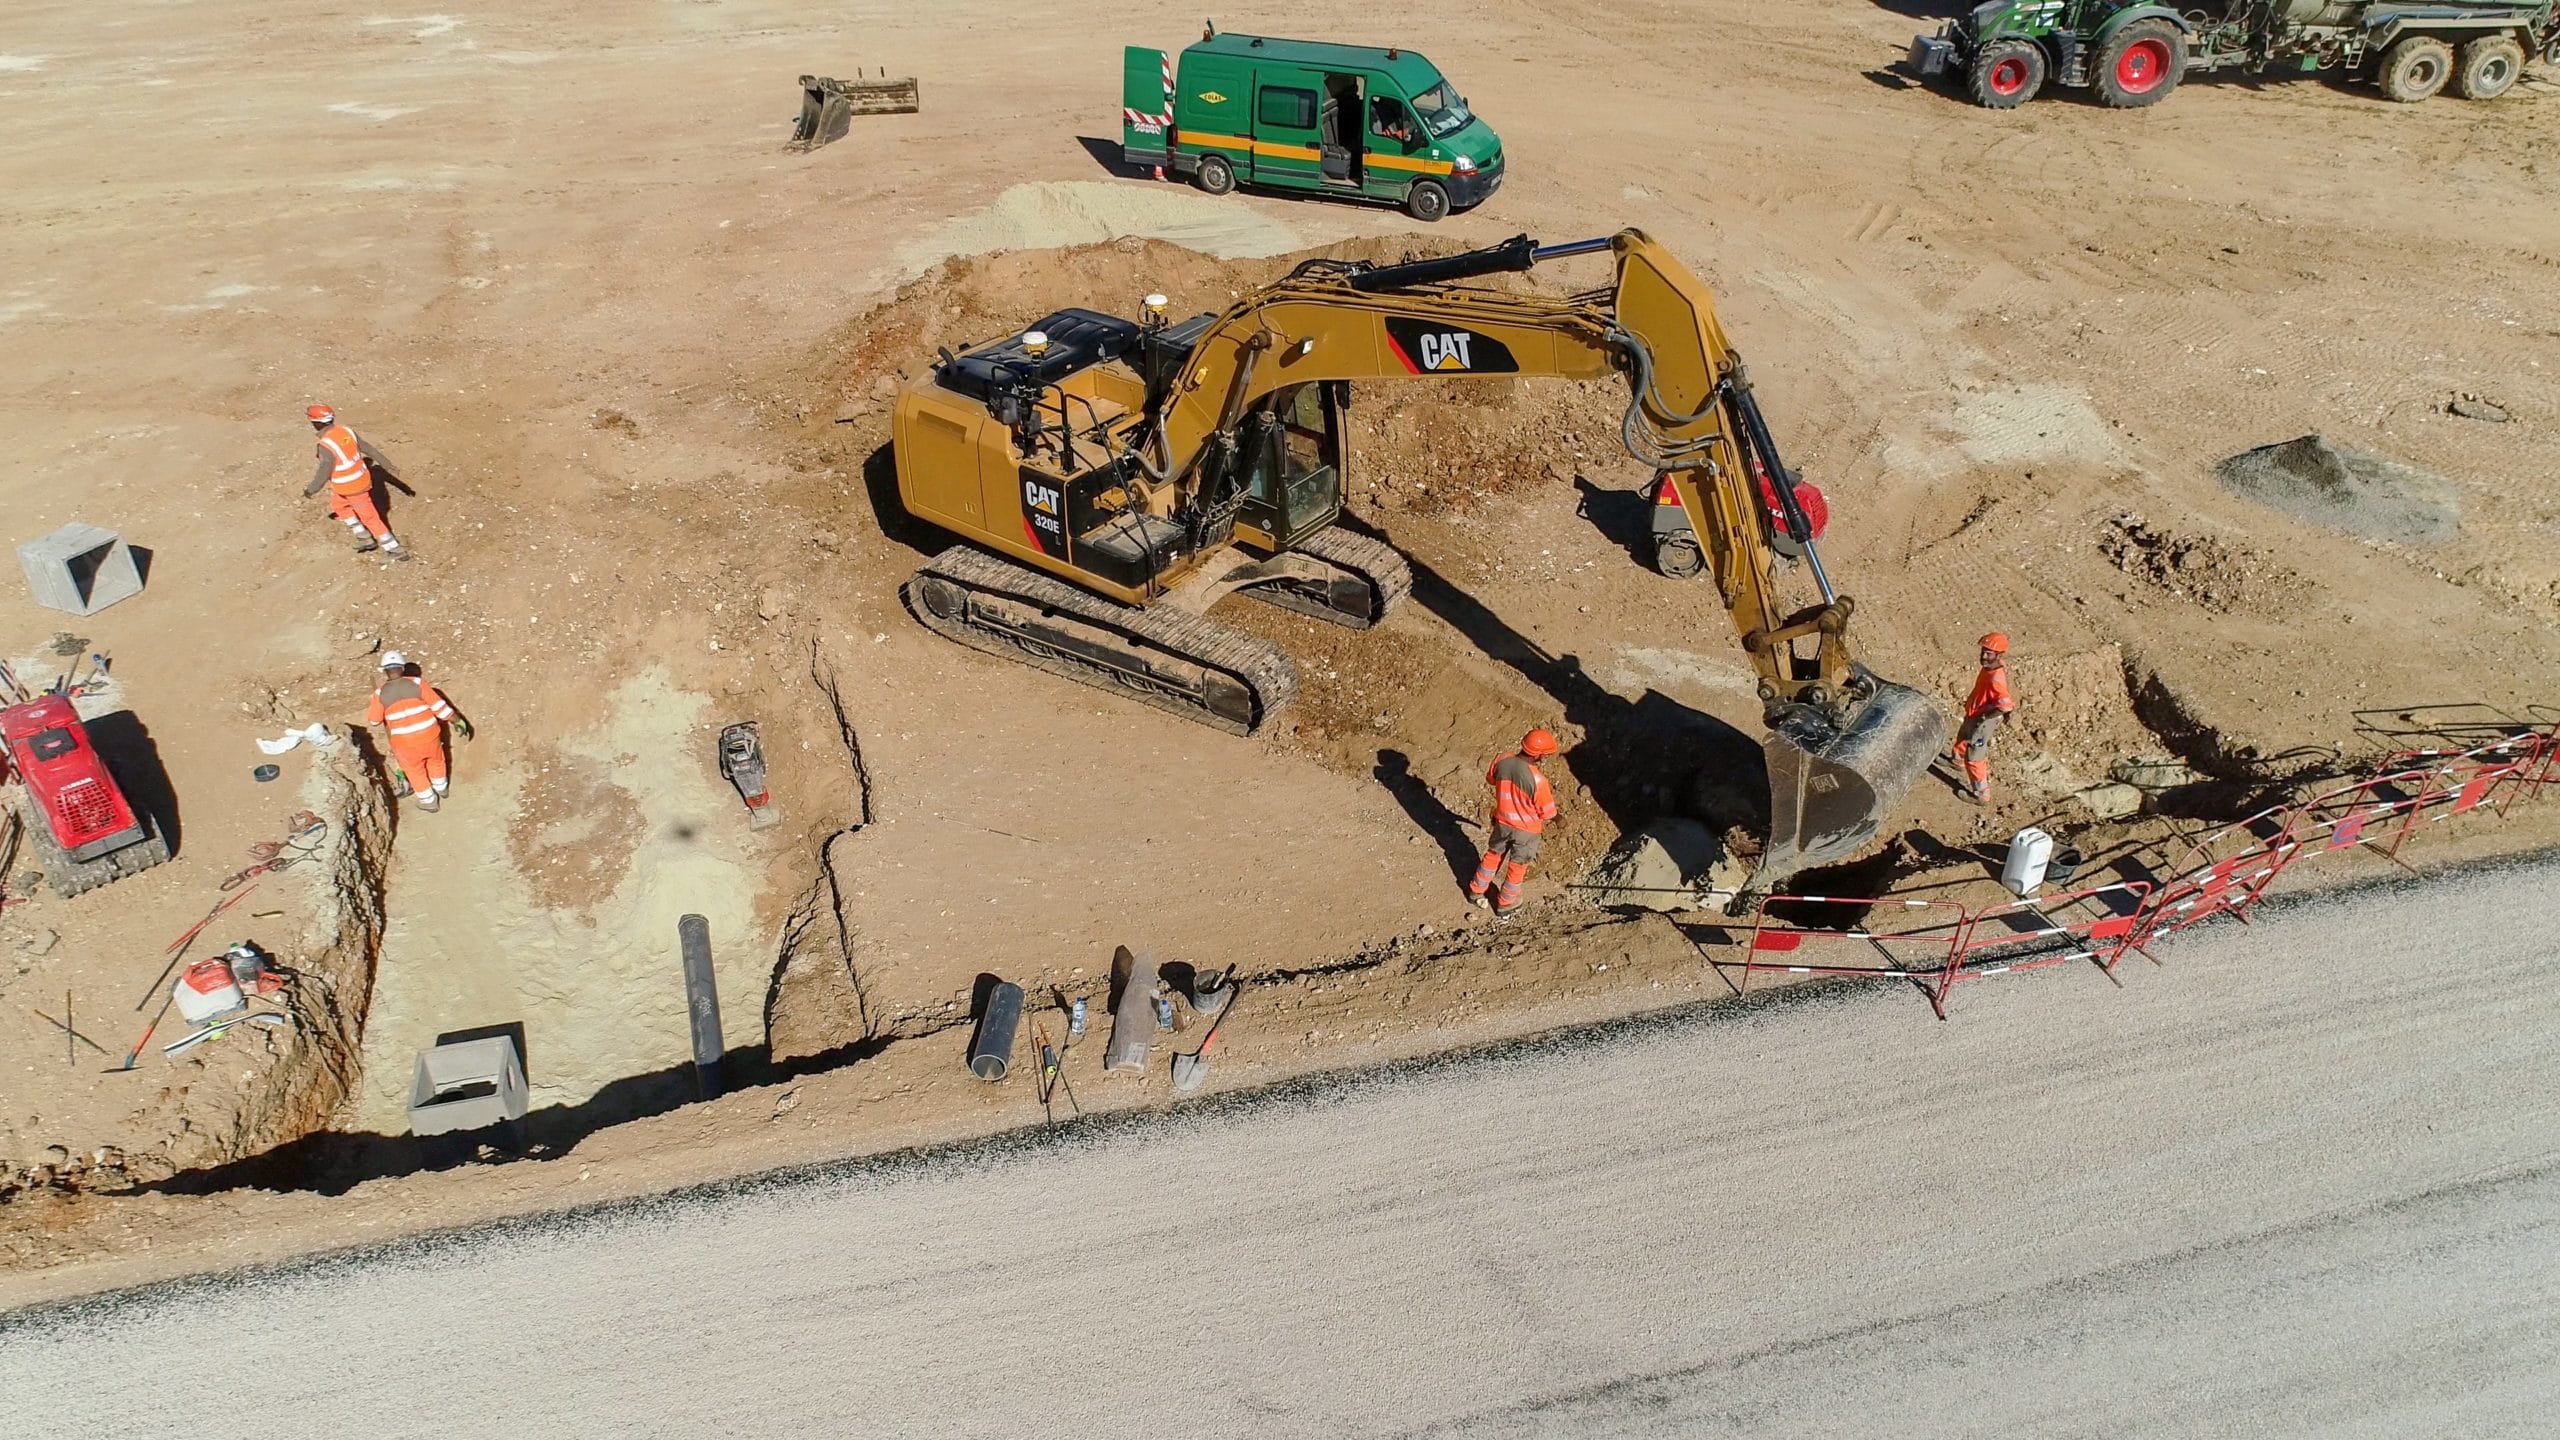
point(2134, 53)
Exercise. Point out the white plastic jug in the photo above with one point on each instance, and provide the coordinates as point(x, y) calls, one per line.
point(2029, 850)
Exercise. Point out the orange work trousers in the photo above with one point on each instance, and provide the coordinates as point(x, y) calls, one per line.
point(357, 505)
point(423, 762)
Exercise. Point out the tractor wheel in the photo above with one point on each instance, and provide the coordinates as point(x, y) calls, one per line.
point(2141, 64)
point(1426, 201)
point(2415, 69)
point(2489, 67)
point(1216, 175)
point(2006, 74)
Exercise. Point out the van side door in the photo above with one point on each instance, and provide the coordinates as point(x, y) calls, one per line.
point(1286, 101)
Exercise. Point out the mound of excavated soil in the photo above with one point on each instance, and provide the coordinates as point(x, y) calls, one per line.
point(1046, 214)
point(2344, 489)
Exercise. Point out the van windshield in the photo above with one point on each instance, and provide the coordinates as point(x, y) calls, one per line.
point(1443, 109)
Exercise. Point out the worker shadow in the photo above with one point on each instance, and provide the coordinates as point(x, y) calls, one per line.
point(1422, 805)
point(125, 747)
point(1640, 758)
point(1621, 517)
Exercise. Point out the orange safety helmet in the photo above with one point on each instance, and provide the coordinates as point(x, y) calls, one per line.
point(1996, 643)
point(1538, 744)
point(321, 415)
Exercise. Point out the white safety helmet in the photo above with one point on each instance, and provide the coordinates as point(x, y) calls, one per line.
point(393, 660)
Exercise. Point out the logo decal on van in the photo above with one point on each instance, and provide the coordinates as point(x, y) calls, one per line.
point(1212, 97)
point(1427, 348)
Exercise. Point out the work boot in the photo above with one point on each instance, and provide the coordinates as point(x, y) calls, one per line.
point(1976, 795)
point(365, 545)
point(1503, 913)
point(426, 799)
point(1479, 899)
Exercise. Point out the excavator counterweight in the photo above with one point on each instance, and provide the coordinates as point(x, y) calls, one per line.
point(1127, 476)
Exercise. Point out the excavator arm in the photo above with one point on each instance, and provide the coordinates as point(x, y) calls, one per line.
point(1843, 744)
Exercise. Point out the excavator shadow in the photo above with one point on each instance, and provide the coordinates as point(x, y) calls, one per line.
point(1641, 758)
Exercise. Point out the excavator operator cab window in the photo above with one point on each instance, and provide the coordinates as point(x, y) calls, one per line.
point(1294, 484)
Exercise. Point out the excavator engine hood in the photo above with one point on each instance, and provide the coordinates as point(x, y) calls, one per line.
point(1831, 784)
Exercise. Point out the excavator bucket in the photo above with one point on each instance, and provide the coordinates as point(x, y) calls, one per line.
point(1830, 788)
point(828, 105)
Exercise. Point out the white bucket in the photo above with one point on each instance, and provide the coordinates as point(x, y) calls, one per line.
point(2029, 850)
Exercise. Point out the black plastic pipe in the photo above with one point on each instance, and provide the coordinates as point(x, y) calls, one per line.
point(702, 1001)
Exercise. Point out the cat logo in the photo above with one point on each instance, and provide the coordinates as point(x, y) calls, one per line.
point(1042, 498)
point(1446, 350)
point(1212, 97)
point(1428, 349)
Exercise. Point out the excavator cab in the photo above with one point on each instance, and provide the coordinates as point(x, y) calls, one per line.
point(1292, 448)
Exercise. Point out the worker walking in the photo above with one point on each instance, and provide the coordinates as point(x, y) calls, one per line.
point(1523, 803)
point(346, 471)
point(413, 715)
point(1984, 710)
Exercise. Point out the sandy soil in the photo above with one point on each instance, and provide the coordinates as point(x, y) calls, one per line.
point(1833, 1216)
point(556, 263)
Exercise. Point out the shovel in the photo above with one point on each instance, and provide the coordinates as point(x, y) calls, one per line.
point(1191, 1069)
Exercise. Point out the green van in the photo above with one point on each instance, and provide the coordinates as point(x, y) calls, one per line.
point(1349, 120)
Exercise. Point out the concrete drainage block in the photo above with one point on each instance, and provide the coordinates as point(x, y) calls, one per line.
point(466, 1084)
point(80, 569)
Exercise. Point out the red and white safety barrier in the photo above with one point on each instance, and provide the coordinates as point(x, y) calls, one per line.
point(1918, 951)
point(2097, 923)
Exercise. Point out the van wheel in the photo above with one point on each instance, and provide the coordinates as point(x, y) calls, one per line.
point(2489, 67)
point(1426, 201)
point(2416, 69)
point(1216, 175)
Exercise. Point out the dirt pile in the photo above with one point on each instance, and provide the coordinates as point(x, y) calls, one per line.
point(2363, 495)
point(2199, 569)
point(1673, 864)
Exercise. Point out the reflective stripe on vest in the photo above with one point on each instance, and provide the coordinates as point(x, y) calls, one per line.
point(411, 706)
point(347, 471)
point(1523, 807)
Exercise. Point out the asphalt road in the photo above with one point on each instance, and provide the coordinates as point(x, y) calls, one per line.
point(2303, 1181)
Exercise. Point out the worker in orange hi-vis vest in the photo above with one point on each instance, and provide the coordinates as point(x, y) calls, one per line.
point(1523, 803)
point(346, 472)
point(414, 715)
point(1984, 710)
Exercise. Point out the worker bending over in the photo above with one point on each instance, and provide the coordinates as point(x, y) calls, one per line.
point(1523, 803)
point(1984, 711)
point(409, 710)
point(346, 472)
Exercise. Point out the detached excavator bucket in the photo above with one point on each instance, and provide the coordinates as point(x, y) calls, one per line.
point(828, 105)
point(1829, 789)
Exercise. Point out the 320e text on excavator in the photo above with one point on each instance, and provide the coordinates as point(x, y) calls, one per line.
point(1112, 480)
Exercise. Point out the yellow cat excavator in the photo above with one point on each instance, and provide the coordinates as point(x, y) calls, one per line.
point(1114, 480)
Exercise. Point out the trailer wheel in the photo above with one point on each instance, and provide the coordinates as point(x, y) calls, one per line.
point(1426, 201)
point(2141, 64)
point(2415, 69)
point(1216, 175)
point(2006, 74)
point(2489, 68)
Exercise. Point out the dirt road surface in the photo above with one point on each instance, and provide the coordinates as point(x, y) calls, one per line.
point(2311, 1190)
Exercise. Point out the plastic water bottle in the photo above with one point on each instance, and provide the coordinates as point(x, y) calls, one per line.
point(1075, 1020)
point(1164, 1013)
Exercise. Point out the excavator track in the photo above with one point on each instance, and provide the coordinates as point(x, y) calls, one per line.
point(1168, 658)
point(1384, 580)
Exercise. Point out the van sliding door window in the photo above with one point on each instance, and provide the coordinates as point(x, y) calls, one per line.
point(1288, 109)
